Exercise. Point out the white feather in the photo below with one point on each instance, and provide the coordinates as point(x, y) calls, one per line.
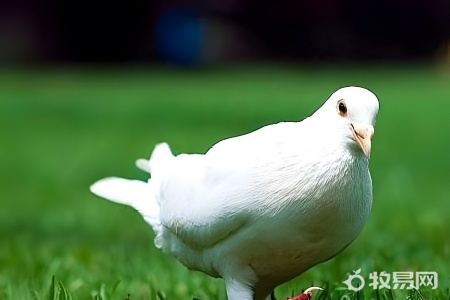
point(135, 193)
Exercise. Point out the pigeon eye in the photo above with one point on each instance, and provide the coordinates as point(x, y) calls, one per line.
point(342, 108)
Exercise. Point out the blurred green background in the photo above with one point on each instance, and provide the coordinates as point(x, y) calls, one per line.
point(61, 129)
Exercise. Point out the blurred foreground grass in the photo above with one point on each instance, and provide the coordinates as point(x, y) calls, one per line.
point(62, 129)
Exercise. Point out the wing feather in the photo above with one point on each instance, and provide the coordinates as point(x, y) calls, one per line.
point(197, 203)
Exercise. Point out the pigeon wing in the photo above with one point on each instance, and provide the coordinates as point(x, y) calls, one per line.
point(201, 201)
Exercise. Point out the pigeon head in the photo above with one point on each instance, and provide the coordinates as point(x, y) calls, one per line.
point(355, 109)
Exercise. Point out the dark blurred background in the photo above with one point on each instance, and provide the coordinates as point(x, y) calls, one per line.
point(190, 33)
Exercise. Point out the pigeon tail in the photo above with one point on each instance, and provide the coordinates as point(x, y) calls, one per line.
point(160, 159)
point(135, 193)
point(138, 194)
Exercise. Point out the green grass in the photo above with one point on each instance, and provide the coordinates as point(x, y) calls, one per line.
point(62, 129)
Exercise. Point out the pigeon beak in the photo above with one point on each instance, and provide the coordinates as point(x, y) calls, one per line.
point(363, 135)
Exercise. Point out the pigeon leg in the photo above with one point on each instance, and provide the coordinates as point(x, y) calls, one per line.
point(237, 290)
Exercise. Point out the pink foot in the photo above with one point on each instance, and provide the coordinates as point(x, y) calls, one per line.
point(306, 295)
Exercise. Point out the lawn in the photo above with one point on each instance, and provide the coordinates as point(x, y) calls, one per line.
point(63, 128)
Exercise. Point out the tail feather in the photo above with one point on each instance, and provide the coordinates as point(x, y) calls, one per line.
point(160, 159)
point(139, 194)
point(121, 190)
point(143, 164)
point(134, 193)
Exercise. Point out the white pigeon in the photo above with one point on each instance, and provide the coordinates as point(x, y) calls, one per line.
point(261, 208)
